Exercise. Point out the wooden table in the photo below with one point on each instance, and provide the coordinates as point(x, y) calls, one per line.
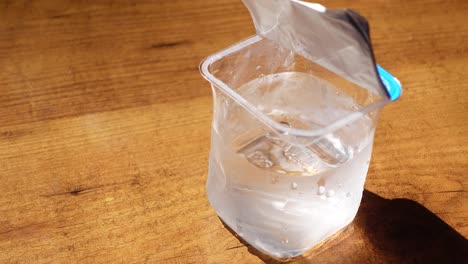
point(105, 127)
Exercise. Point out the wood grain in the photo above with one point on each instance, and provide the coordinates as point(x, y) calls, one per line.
point(105, 126)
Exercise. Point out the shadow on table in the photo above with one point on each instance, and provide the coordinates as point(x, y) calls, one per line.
point(386, 231)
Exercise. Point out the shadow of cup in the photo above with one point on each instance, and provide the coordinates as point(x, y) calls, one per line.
point(386, 231)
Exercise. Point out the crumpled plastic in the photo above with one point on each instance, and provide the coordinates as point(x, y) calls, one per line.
point(335, 39)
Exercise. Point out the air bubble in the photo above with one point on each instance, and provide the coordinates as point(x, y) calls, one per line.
point(293, 185)
point(285, 241)
point(321, 190)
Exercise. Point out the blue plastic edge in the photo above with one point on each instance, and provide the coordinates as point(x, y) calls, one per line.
point(391, 83)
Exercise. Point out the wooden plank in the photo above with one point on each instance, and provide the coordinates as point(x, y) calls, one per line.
point(105, 131)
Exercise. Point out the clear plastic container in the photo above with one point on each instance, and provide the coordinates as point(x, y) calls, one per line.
point(290, 148)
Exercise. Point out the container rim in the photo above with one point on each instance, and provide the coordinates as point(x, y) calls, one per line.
point(271, 123)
